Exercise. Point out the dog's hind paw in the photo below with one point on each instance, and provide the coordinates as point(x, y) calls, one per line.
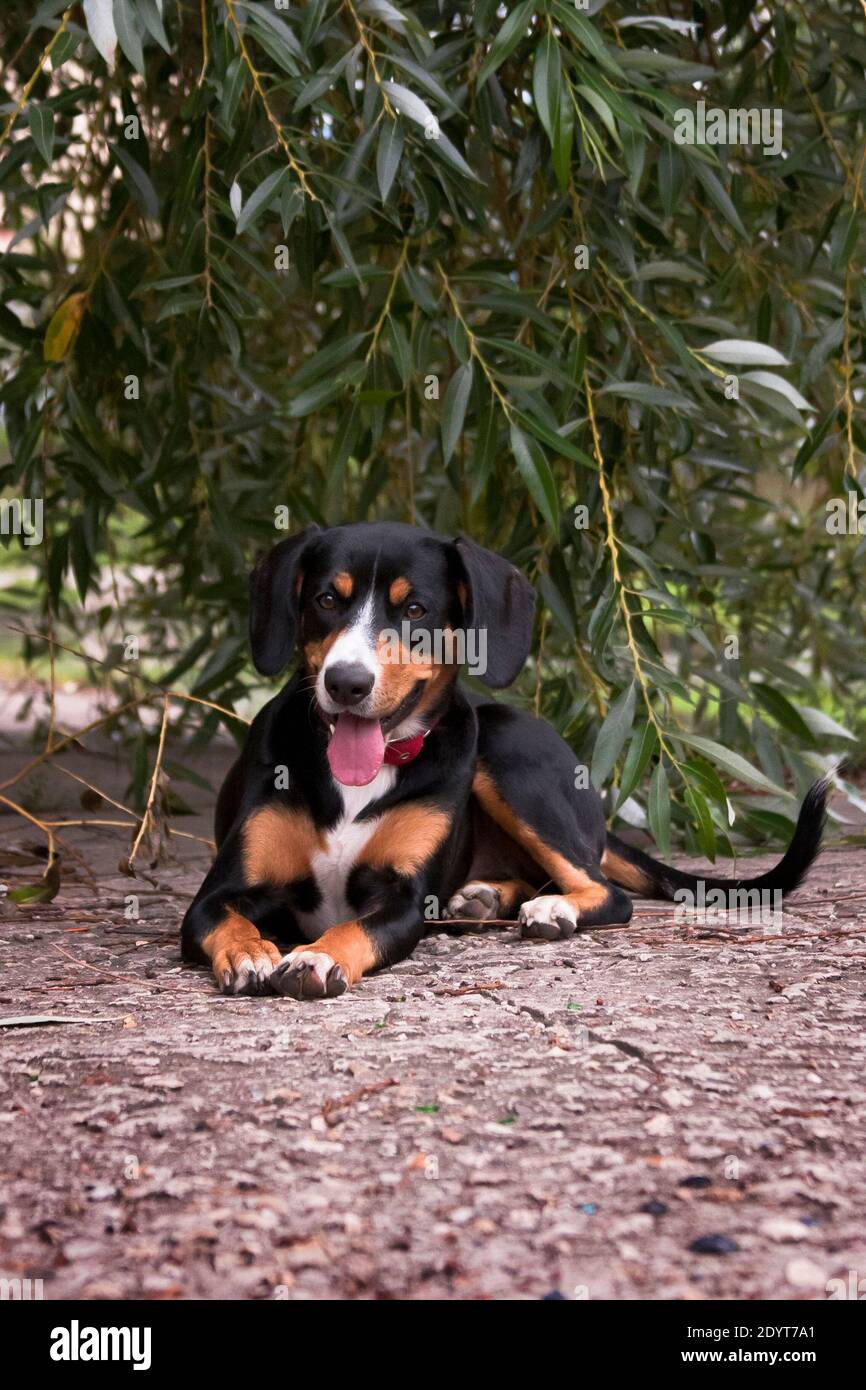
point(479, 900)
point(552, 918)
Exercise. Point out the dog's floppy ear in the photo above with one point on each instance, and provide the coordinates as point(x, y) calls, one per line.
point(274, 586)
point(496, 596)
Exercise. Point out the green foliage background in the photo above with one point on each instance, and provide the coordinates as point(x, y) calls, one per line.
point(431, 170)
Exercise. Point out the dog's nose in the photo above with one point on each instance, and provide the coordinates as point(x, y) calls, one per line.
point(348, 682)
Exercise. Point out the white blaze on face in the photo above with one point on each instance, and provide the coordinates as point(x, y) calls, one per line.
point(356, 646)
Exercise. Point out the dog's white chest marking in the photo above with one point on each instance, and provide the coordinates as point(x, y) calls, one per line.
point(343, 845)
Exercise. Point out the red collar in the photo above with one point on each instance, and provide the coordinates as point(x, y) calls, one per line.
point(404, 750)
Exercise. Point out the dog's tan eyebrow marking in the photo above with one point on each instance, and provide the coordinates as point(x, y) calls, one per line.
point(344, 584)
point(400, 589)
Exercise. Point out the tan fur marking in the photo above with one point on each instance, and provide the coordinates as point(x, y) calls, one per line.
point(444, 675)
point(398, 674)
point(349, 945)
point(344, 584)
point(570, 879)
point(405, 838)
point(234, 938)
point(315, 652)
point(278, 846)
point(512, 893)
point(626, 875)
point(400, 589)
point(591, 895)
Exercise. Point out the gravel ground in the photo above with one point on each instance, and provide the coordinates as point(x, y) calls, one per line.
point(491, 1119)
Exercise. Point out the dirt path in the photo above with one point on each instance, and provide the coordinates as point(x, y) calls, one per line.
point(491, 1119)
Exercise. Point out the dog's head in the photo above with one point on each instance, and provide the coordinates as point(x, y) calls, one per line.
point(384, 615)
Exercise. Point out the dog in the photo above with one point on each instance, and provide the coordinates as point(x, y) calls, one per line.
point(373, 787)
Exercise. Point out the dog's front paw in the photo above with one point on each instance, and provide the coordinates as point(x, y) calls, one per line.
point(480, 900)
point(246, 969)
point(309, 974)
point(552, 918)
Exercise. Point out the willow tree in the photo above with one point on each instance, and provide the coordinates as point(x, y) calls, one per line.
point(582, 281)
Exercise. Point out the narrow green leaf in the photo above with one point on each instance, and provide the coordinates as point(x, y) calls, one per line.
point(41, 121)
point(730, 762)
point(703, 822)
point(454, 408)
point(258, 201)
point(388, 153)
point(642, 747)
point(506, 40)
point(718, 195)
point(659, 809)
point(612, 736)
point(126, 24)
point(535, 471)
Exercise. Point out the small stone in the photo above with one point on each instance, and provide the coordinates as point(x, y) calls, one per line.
point(101, 1192)
point(676, 1098)
point(803, 1274)
point(659, 1124)
point(782, 1228)
point(654, 1207)
point(714, 1245)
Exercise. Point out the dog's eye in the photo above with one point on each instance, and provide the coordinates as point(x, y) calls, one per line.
point(415, 610)
point(326, 601)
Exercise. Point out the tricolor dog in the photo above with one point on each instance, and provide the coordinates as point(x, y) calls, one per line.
point(374, 782)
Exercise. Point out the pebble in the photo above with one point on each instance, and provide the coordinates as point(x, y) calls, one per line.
point(782, 1228)
point(100, 1192)
point(713, 1245)
point(659, 1124)
point(803, 1274)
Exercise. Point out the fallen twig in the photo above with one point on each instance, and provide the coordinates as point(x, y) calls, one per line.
point(342, 1102)
point(483, 988)
point(109, 974)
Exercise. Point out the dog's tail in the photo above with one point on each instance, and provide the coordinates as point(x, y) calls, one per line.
point(630, 868)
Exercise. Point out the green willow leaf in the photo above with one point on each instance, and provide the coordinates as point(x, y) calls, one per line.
point(659, 808)
point(266, 192)
point(454, 408)
point(612, 735)
point(536, 474)
point(41, 120)
point(509, 36)
point(641, 749)
point(388, 156)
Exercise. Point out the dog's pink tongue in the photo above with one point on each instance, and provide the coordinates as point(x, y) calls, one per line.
point(356, 750)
